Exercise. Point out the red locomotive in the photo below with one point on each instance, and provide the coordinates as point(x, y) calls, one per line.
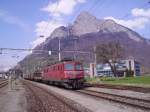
point(67, 73)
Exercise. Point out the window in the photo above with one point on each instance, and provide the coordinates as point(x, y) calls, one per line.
point(78, 67)
point(69, 66)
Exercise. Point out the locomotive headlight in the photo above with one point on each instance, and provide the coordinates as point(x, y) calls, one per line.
point(72, 72)
point(68, 73)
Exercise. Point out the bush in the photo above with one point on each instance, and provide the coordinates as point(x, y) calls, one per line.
point(129, 73)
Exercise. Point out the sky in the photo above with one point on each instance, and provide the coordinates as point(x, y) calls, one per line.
point(22, 22)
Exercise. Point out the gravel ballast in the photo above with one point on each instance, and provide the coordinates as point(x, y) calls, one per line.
point(90, 103)
point(41, 100)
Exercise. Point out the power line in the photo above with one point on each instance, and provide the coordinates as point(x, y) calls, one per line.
point(94, 5)
point(102, 5)
point(88, 10)
point(20, 49)
point(129, 13)
point(23, 49)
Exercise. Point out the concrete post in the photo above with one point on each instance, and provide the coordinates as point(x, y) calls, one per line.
point(92, 70)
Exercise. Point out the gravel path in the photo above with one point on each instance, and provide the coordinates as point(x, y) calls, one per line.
point(40, 100)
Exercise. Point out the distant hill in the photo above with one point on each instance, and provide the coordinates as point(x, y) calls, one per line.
point(90, 31)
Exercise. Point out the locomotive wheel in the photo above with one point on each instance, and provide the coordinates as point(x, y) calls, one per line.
point(67, 85)
point(75, 85)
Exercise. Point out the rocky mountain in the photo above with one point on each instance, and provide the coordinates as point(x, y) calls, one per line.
point(86, 23)
point(88, 31)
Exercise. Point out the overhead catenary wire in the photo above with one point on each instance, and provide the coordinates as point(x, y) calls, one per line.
point(23, 49)
point(95, 4)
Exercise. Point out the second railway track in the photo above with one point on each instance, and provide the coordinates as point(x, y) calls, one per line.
point(3, 83)
point(131, 101)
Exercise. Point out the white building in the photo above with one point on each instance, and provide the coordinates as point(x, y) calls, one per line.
point(122, 66)
point(3, 75)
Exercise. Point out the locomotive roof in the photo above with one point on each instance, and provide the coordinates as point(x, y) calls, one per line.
point(63, 62)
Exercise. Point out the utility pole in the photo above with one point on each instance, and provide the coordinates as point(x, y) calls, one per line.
point(59, 54)
point(75, 48)
point(95, 61)
point(95, 56)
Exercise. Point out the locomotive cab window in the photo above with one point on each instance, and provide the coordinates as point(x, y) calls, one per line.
point(78, 67)
point(69, 66)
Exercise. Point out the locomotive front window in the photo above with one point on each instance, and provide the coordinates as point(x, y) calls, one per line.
point(69, 66)
point(78, 67)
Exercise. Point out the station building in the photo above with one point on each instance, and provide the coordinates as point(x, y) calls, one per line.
point(122, 67)
point(3, 75)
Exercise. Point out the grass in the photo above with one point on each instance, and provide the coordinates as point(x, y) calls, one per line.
point(136, 81)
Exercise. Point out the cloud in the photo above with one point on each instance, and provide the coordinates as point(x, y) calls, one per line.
point(57, 11)
point(65, 7)
point(6, 17)
point(139, 21)
point(141, 12)
point(48, 27)
point(44, 29)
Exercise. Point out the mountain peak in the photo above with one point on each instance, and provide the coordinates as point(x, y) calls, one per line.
point(85, 15)
point(85, 23)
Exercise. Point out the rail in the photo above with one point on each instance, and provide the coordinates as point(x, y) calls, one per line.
point(3, 83)
point(60, 98)
point(131, 101)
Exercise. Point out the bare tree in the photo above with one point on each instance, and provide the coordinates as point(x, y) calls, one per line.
point(110, 53)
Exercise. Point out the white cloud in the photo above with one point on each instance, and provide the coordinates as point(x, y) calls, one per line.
point(140, 19)
point(57, 11)
point(62, 7)
point(137, 23)
point(44, 29)
point(5, 16)
point(141, 12)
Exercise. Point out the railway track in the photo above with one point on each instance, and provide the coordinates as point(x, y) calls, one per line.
point(54, 100)
point(135, 102)
point(3, 83)
point(120, 87)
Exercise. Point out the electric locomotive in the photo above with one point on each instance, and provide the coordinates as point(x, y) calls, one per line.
point(67, 73)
